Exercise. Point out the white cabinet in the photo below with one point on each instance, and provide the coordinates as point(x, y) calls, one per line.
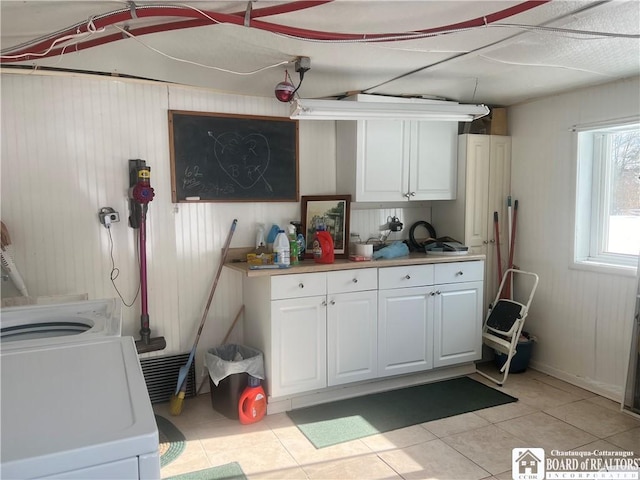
point(405, 330)
point(405, 319)
point(432, 325)
point(315, 329)
point(325, 329)
point(352, 336)
point(457, 325)
point(484, 183)
point(299, 343)
point(458, 313)
point(396, 160)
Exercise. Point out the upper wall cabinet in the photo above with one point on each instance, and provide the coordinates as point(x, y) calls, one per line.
point(397, 160)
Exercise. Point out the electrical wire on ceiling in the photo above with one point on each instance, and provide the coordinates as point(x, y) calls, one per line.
point(182, 60)
point(199, 18)
point(94, 32)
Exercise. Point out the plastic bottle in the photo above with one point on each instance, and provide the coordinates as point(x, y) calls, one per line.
point(323, 246)
point(293, 244)
point(281, 249)
point(252, 405)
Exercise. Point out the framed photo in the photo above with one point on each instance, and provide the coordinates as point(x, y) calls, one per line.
point(332, 211)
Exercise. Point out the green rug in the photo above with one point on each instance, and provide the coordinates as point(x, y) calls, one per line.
point(336, 422)
point(230, 471)
point(172, 441)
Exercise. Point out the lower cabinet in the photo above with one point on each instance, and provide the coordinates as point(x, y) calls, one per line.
point(352, 337)
point(405, 330)
point(299, 345)
point(457, 323)
point(324, 329)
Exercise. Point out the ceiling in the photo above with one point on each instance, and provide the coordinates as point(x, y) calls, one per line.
point(494, 52)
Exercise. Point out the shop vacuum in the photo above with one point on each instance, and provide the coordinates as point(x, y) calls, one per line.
point(140, 194)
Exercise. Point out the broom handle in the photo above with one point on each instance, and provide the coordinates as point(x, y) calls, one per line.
point(499, 257)
point(215, 282)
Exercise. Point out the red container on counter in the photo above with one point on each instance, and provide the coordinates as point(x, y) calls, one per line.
point(323, 246)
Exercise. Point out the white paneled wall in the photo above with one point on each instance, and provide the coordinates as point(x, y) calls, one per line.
point(582, 319)
point(66, 142)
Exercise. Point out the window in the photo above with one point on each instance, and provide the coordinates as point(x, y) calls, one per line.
point(607, 224)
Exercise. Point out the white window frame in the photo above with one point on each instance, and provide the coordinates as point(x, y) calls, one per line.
point(592, 192)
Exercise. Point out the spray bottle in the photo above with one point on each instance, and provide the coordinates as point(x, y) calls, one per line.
point(293, 244)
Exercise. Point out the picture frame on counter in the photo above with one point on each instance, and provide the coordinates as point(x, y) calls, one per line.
point(332, 211)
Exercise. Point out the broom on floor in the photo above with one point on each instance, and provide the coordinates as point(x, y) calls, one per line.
point(177, 399)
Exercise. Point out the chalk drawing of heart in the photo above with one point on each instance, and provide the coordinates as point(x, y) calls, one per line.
point(245, 158)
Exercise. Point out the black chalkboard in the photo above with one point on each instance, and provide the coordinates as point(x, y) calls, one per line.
point(232, 158)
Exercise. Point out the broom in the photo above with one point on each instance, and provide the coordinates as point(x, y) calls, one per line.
point(177, 399)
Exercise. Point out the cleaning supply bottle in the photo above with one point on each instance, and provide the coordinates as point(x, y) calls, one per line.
point(293, 244)
point(261, 244)
point(281, 249)
point(323, 246)
point(252, 406)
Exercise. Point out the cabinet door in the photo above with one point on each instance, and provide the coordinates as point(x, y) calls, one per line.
point(352, 337)
point(457, 326)
point(477, 215)
point(383, 161)
point(433, 164)
point(405, 330)
point(499, 190)
point(299, 345)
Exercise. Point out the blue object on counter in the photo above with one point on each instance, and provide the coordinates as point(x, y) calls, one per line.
point(272, 266)
point(272, 234)
point(396, 249)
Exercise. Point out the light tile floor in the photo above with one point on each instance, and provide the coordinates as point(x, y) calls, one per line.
point(550, 414)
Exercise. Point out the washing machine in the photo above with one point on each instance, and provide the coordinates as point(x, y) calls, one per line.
point(76, 410)
point(73, 322)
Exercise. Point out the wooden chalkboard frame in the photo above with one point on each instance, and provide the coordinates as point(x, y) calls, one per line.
point(206, 148)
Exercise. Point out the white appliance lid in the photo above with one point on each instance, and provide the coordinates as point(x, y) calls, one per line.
point(72, 406)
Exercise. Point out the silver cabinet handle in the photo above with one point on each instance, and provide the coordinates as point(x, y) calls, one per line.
point(407, 195)
point(459, 273)
point(412, 194)
point(355, 280)
point(432, 294)
point(408, 277)
point(324, 303)
point(484, 242)
point(332, 302)
point(437, 292)
point(301, 285)
point(492, 241)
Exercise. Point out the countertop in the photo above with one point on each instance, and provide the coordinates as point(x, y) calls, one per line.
point(309, 265)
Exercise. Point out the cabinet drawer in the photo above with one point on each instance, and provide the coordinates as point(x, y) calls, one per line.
point(456, 272)
point(298, 285)
point(405, 276)
point(357, 280)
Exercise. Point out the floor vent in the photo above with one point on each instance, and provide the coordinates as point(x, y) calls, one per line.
point(161, 376)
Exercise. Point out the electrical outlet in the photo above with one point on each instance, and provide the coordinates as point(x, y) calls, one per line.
point(107, 216)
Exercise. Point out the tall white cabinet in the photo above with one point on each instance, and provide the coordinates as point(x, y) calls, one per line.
point(484, 183)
